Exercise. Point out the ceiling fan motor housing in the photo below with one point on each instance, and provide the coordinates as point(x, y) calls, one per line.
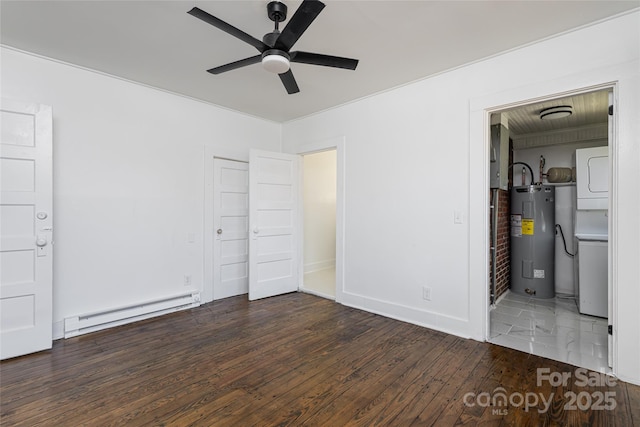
point(270, 38)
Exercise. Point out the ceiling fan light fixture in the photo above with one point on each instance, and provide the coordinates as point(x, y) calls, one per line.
point(275, 61)
point(556, 112)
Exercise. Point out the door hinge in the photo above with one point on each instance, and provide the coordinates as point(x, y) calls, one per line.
point(611, 110)
point(610, 329)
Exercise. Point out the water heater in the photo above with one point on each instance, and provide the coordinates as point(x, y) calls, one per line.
point(533, 222)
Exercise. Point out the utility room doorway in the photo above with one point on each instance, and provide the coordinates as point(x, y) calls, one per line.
point(319, 207)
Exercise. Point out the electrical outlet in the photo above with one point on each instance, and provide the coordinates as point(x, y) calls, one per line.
point(187, 280)
point(426, 293)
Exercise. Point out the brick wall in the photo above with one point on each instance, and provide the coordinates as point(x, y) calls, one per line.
point(503, 247)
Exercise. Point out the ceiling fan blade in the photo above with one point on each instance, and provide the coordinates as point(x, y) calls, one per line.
point(228, 28)
point(326, 60)
point(236, 64)
point(298, 24)
point(289, 82)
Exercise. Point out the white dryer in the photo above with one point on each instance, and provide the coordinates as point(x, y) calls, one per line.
point(592, 178)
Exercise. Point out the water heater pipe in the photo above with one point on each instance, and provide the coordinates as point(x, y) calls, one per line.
point(528, 167)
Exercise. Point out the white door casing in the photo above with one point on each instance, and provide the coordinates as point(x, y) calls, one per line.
point(273, 217)
point(26, 230)
point(610, 314)
point(230, 228)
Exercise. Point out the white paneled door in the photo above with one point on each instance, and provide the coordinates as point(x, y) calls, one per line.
point(26, 229)
point(273, 218)
point(231, 228)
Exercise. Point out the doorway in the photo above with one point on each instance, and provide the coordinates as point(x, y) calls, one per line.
point(557, 325)
point(319, 223)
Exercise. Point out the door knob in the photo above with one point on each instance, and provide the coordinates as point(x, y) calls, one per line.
point(256, 230)
point(41, 241)
point(219, 231)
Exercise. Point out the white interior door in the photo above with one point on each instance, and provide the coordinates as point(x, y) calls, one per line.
point(231, 228)
point(273, 215)
point(25, 229)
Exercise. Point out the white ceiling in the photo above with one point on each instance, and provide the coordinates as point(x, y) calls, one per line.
point(157, 43)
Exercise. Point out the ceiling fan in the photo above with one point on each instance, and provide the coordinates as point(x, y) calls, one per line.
point(275, 47)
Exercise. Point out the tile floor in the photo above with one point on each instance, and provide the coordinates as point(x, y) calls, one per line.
point(551, 328)
point(321, 283)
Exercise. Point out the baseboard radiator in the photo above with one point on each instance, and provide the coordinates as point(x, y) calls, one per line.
point(91, 322)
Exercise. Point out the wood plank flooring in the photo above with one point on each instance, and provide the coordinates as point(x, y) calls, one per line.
point(296, 360)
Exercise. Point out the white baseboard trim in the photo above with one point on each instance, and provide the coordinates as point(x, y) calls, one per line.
point(319, 265)
point(428, 319)
point(317, 293)
point(58, 330)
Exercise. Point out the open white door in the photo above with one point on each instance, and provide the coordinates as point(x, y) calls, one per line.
point(26, 228)
point(273, 215)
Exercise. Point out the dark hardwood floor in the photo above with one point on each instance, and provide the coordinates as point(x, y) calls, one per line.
point(296, 360)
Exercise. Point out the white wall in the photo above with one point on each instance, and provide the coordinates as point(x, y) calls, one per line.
point(562, 155)
point(417, 154)
point(128, 181)
point(319, 206)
